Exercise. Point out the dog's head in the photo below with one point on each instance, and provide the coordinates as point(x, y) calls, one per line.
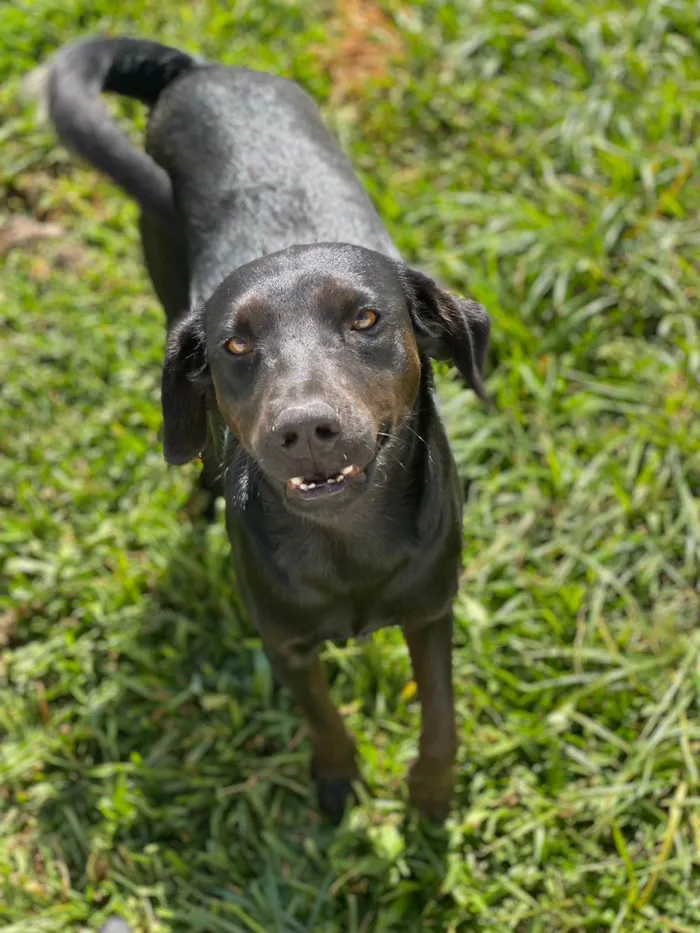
point(314, 356)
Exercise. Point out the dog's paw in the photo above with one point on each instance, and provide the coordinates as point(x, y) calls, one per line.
point(429, 807)
point(334, 784)
point(430, 790)
point(334, 797)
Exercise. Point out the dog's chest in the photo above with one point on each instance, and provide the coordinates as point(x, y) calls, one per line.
point(338, 617)
point(303, 586)
point(302, 602)
point(347, 595)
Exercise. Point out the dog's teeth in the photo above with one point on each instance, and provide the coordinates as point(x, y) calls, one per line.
point(298, 482)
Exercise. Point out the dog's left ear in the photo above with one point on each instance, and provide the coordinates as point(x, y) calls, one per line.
point(449, 328)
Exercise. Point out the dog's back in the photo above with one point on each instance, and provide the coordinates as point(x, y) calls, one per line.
point(239, 163)
point(275, 175)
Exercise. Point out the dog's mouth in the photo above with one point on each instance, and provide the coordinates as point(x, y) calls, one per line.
point(318, 486)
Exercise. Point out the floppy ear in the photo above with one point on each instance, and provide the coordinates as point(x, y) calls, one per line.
point(183, 390)
point(449, 328)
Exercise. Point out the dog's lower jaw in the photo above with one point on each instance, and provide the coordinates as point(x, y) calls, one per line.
point(329, 506)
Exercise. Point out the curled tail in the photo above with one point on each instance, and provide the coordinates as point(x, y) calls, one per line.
point(72, 83)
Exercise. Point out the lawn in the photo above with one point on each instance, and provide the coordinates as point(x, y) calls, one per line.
point(544, 158)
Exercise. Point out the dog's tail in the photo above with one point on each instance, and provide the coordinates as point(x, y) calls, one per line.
point(70, 85)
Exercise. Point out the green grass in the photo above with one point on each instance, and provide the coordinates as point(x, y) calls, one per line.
point(545, 159)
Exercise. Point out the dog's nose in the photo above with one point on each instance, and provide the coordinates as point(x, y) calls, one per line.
point(309, 430)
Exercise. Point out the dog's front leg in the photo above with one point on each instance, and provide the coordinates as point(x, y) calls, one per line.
point(431, 779)
point(334, 766)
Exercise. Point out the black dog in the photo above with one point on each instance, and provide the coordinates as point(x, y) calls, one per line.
point(298, 365)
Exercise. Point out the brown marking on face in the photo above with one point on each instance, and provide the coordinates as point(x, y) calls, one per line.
point(407, 385)
point(393, 396)
point(234, 417)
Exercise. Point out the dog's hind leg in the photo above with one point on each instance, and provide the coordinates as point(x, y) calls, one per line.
point(165, 254)
point(166, 259)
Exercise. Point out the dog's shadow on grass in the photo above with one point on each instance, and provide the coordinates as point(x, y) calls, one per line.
point(191, 777)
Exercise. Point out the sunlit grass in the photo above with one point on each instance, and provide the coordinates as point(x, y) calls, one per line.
point(543, 158)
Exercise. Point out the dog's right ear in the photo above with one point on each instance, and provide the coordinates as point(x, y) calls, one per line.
point(184, 390)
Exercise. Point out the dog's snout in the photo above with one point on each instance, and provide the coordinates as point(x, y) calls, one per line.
point(310, 430)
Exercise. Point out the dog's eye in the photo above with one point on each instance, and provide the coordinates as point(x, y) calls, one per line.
point(239, 346)
point(365, 320)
